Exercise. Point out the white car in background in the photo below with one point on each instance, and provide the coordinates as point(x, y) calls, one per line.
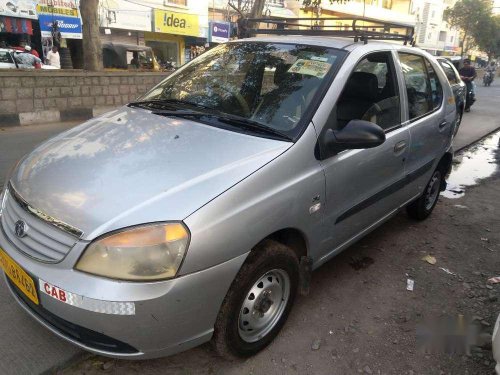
point(7, 60)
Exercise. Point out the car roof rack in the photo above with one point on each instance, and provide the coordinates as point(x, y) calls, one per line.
point(359, 28)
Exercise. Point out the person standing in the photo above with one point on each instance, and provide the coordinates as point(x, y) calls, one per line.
point(468, 74)
point(27, 59)
point(53, 58)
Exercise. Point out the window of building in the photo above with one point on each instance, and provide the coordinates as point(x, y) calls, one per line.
point(451, 39)
point(176, 2)
point(371, 93)
point(442, 36)
point(417, 85)
point(387, 4)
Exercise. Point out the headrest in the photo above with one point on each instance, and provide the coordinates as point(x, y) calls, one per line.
point(361, 85)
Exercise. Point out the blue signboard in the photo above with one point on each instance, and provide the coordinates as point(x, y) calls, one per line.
point(219, 31)
point(70, 27)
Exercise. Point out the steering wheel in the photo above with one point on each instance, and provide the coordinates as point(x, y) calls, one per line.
point(227, 89)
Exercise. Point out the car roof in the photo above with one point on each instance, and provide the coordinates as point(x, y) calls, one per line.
point(333, 42)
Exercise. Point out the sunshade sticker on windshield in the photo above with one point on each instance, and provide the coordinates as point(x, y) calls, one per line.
point(310, 68)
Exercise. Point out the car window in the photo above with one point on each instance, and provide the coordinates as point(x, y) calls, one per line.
point(371, 93)
point(270, 83)
point(417, 84)
point(436, 88)
point(450, 73)
point(5, 57)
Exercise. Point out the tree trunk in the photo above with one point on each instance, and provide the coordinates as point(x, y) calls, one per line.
point(92, 49)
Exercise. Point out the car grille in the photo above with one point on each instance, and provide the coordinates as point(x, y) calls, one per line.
point(43, 241)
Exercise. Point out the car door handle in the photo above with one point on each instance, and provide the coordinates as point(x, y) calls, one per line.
point(443, 124)
point(400, 146)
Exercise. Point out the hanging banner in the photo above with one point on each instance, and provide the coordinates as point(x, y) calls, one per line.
point(176, 23)
point(219, 31)
point(65, 13)
point(18, 8)
point(122, 14)
point(15, 25)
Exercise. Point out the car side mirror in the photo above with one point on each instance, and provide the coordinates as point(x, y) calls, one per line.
point(356, 134)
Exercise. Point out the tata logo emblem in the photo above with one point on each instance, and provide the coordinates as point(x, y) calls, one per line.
point(20, 228)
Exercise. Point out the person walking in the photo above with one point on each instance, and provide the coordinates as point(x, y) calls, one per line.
point(26, 59)
point(53, 58)
point(468, 74)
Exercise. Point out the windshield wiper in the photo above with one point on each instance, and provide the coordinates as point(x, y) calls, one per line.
point(159, 103)
point(235, 121)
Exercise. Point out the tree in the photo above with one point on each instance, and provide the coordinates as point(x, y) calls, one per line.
point(488, 37)
point(468, 15)
point(92, 49)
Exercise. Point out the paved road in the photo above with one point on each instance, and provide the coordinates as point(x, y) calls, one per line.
point(28, 348)
point(483, 117)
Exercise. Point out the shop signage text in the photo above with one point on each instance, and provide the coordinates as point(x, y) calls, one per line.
point(65, 13)
point(176, 23)
point(18, 8)
point(122, 14)
point(219, 32)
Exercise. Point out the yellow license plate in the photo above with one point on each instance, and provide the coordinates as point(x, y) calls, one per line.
point(18, 276)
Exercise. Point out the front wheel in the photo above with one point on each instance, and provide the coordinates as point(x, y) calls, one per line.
point(258, 302)
point(421, 208)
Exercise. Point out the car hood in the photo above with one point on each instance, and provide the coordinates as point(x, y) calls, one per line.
point(130, 167)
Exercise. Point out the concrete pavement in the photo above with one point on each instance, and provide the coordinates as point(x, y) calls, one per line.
point(28, 348)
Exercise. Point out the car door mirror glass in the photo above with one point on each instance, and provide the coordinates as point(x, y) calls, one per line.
point(357, 134)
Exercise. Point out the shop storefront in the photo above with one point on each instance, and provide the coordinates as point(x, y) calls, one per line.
point(19, 25)
point(177, 37)
point(61, 25)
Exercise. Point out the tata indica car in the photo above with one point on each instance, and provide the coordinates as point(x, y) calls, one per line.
point(196, 212)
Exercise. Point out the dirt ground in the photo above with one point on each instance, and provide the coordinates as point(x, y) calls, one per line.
point(359, 316)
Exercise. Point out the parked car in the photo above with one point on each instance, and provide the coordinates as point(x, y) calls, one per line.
point(8, 61)
point(194, 213)
point(459, 89)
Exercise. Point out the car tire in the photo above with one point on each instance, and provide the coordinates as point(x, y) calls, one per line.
point(421, 208)
point(258, 302)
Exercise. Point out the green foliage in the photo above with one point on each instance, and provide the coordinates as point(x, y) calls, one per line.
point(487, 36)
point(469, 16)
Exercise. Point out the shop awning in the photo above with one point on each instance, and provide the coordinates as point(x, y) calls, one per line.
point(15, 25)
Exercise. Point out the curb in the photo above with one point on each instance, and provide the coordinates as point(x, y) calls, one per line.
point(52, 116)
point(477, 140)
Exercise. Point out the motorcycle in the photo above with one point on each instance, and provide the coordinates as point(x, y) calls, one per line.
point(487, 78)
point(471, 96)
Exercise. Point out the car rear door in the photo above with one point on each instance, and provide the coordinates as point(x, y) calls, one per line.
point(363, 186)
point(428, 118)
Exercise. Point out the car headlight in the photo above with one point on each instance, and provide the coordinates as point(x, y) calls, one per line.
point(152, 252)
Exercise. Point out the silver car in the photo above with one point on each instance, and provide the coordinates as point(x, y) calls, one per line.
point(198, 212)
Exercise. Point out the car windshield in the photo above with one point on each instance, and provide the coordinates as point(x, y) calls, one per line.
point(271, 84)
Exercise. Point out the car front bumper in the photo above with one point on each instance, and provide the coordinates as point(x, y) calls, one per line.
point(167, 316)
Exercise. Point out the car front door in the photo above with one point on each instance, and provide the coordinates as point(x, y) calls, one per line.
point(427, 119)
point(364, 186)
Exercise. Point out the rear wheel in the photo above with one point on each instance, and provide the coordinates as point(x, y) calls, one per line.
point(258, 302)
point(421, 208)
